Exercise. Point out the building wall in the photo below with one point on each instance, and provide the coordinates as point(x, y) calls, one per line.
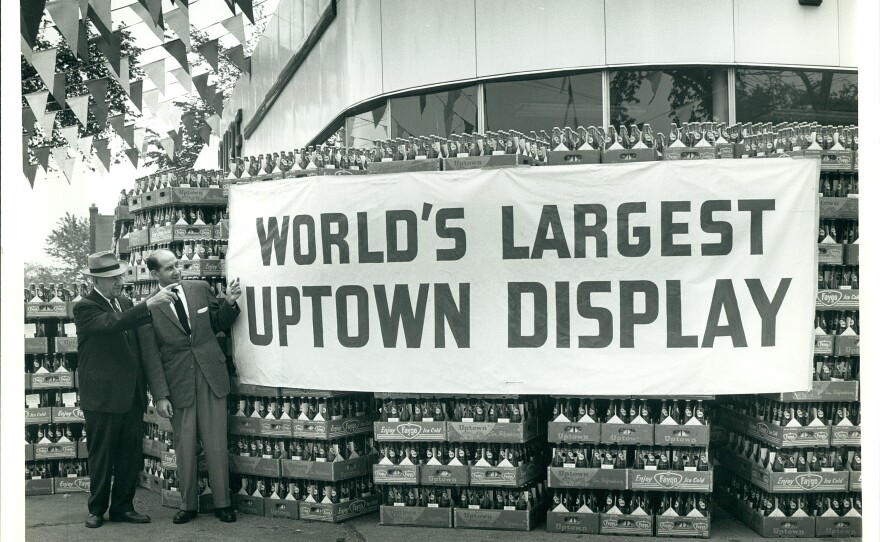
point(381, 47)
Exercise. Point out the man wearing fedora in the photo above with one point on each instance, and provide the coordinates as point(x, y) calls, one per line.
point(112, 387)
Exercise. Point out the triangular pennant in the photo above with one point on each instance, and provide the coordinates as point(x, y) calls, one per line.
point(111, 48)
point(139, 135)
point(27, 120)
point(84, 145)
point(151, 99)
point(82, 44)
point(58, 90)
point(155, 9)
point(247, 7)
point(236, 56)
point(133, 155)
point(30, 171)
point(99, 15)
point(123, 76)
point(26, 51)
point(168, 144)
point(205, 132)
point(210, 50)
point(156, 72)
point(178, 20)
point(189, 121)
point(42, 155)
point(177, 50)
point(214, 122)
point(47, 123)
point(37, 101)
point(103, 152)
point(231, 4)
point(100, 110)
point(136, 94)
point(65, 15)
point(69, 133)
point(98, 88)
point(177, 137)
point(201, 83)
point(183, 78)
point(30, 16)
point(117, 122)
point(128, 134)
point(144, 14)
point(235, 26)
point(67, 164)
point(80, 107)
point(83, 8)
point(25, 149)
point(59, 154)
point(216, 103)
point(44, 63)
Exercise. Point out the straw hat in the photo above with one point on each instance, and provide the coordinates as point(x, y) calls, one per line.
point(104, 264)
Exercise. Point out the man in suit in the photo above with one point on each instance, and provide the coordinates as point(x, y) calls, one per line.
point(187, 373)
point(112, 387)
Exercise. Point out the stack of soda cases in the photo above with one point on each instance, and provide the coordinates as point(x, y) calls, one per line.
point(793, 460)
point(636, 466)
point(183, 211)
point(301, 454)
point(56, 452)
point(461, 461)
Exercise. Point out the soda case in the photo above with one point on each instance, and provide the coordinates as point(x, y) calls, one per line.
point(305, 499)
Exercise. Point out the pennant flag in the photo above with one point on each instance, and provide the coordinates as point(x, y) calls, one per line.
point(201, 83)
point(117, 122)
point(26, 50)
point(151, 99)
point(100, 110)
point(83, 8)
point(58, 90)
point(214, 122)
point(37, 101)
point(183, 78)
point(42, 154)
point(123, 76)
point(47, 123)
point(142, 12)
point(178, 51)
point(133, 155)
point(80, 107)
point(189, 121)
point(64, 162)
point(99, 15)
point(111, 47)
point(25, 147)
point(65, 15)
point(139, 135)
point(103, 152)
point(44, 63)
point(205, 133)
point(84, 145)
point(217, 103)
point(236, 56)
point(82, 45)
point(178, 20)
point(136, 94)
point(168, 144)
point(247, 7)
point(30, 171)
point(235, 26)
point(29, 22)
point(27, 120)
point(69, 133)
point(231, 4)
point(210, 50)
point(128, 134)
point(177, 137)
point(98, 88)
point(156, 72)
point(155, 9)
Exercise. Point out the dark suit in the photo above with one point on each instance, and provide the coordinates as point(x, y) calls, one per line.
point(190, 370)
point(112, 397)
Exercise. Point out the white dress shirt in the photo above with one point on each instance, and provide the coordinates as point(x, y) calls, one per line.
point(182, 297)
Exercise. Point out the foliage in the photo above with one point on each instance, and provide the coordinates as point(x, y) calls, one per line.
point(69, 245)
point(786, 95)
point(36, 273)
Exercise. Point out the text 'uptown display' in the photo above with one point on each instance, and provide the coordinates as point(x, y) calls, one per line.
point(650, 278)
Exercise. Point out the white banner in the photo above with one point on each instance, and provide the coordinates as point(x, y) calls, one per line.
point(637, 279)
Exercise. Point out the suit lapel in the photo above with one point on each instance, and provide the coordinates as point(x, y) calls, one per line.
point(100, 300)
point(165, 309)
point(191, 304)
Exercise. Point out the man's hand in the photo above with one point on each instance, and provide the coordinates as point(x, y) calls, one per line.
point(164, 295)
point(163, 407)
point(233, 292)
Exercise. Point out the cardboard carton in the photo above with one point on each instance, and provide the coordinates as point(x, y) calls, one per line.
point(492, 432)
point(246, 504)
point(627, 433)
point(396, 474)
point(572, 522)
point(573, 432)
point(43, 486)
point(255, 466)
point(55, 450)
point(588, 478)
point(444, 475)
point(847, 345)
point(684, 527)
point(689, 481)
point(73, 484)
point(28, 452)
point(823, 344)
point(68, 415)
point(846, 435)
point(851, 254)
point(52, 381)
point(855, 480)
point(402, 166)
point(36, 345)
point(339, 512)
point(626, 524)
point(332, 471)
point(413, 431)
point(504, 476)
point(201, 268)
point(135, 203)
point(843, 527)
point(834, 207)
point(203, 196)
point(139, 238)
point(486, 162)
point(311, 429)
point(821, 391)
point(38, 415)
point(281, 508)
point(689, 153)
point(181, 232)
point(505, 520)
point(830, 253)
point(629, 155)
point(573, 158)
point(45, 310)
point(415, 515)
point(64, 345)
point(837, 300)
point(682, 435)
point(836, 160)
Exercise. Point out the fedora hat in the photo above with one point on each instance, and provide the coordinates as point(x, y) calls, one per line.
point(104, 264)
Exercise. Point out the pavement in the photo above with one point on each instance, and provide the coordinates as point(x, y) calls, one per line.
point(52, 518)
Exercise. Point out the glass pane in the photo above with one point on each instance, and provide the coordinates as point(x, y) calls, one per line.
point(440, 113)
point(542, 104)
point(660, 97)
point(362, 130)
point(764, 95)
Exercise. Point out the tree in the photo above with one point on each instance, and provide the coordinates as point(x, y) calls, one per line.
point(69, 245)
point(36, 273)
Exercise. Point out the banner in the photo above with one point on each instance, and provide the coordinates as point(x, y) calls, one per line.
point(685, 278)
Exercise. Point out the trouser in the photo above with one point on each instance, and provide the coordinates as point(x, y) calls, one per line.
point(205, 419)
point(115, 452)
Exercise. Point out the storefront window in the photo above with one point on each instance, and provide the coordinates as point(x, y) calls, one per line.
point(362, 130)
point(542, 104)
point(764, 95)
point(660, 97)
point(440, 113)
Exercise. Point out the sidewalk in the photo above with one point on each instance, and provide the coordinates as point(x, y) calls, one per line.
point(53, 518)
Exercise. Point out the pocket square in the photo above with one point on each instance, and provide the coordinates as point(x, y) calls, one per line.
point(202, 310)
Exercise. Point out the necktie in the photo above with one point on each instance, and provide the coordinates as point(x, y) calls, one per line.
point(181, 313)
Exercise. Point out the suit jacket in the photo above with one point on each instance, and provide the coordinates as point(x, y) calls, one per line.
point(110, 372)
point(170, 354)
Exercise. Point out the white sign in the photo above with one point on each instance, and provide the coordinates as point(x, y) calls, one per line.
point(650, 278)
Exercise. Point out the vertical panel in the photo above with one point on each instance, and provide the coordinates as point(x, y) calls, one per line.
point(651, 32)
point(524, 35)
point(849, 17)
point(424, 43)
point(786, 33)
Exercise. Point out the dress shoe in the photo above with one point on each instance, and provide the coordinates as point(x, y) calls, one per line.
point(130, 517)
point(184, 516)
point(226, 515)
point(94, 521)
